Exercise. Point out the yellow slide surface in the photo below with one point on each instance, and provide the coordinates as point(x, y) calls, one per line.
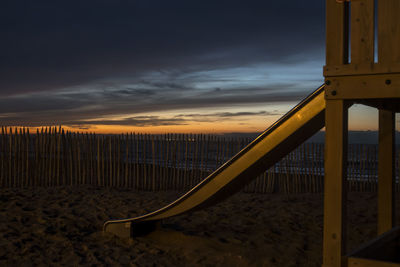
point(292, 129)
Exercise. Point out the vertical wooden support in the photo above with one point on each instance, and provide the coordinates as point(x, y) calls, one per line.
point(388, 31)
point(362, 31)
point(336, 119)
point(386, 171)
point(336, 33)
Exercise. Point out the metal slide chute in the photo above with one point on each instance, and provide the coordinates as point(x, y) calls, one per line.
point(295, 127)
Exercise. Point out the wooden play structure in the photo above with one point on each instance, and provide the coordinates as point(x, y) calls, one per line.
point(353, 75)
point(355, 78)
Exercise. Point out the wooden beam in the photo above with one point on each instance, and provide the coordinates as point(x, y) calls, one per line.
point(363, 87)
point(386, 104)
point(382, 247)
point(362, 69)
point(336, 33)
point(386, 171)
point(334, 244)
point(388, 31)
point(362, 31)
point(359, 262)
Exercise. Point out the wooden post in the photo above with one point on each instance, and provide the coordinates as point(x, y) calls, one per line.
point(102, 151)
point(153, 167)
point(78, 159)
point(117, 161)
point(144, 162)
point(126, 160)
point(166, 162)
point(388, 31)
point(15, 160)
point(187, 147)
point(321, 157)
point(131, 163)
point(336, 119)
point(28, 179)
point(362, 31)
point(3, 152)
point(386, 171)
point(49, 157)
point(71, 159)
point(58, 156)
point(19, 157)
point(137, 162)
point(110, 158)
point(201, 138)
point(98, 162)
point(336, 33)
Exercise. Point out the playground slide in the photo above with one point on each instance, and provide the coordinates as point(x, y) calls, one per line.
point(295, 127)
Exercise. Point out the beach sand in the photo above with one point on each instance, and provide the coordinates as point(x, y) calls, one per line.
point(63, 226)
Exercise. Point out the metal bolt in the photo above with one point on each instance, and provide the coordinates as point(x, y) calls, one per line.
point(388, 82)
point(333, 93)
point(328, 82)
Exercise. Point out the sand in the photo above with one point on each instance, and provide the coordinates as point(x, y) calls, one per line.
point(62, 226)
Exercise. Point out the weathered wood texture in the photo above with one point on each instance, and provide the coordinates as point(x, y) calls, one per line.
point(386, 171)
point(362, 31)
point(334, 245)
point(364, 87)
point(337, 51)
point(359, 262)
point(366, 81)
point(146, 162)
point(388, 31)
point(362, 37)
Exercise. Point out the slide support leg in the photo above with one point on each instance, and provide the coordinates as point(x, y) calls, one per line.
point(335, 191)
point(386, 171)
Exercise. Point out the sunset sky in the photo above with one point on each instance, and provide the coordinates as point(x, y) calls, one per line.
point(160, 66)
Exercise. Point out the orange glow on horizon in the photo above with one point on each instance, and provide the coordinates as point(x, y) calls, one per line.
point(361, 118)
point(203, 128)
point(206, 128)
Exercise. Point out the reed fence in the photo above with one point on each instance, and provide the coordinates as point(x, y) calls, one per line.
point(54, 157)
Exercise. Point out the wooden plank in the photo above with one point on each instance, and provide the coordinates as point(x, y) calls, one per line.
point(362, 31)
point(361, 69)
point(336, 120)
point(359, 262)
point(363, 87)
point(336, 33)
point(388, 31)
point(126, 183)
point(383, 103)
point(386, 171)
point(99, 183)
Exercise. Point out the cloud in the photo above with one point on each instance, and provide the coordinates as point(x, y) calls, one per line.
point(52, 45)
point(79, 63)
point(174, 120)
point(228, 114)
point(162, 92)
point(138, 121)
point(70, 108)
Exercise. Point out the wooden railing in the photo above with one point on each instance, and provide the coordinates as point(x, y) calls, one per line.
point(351, 38)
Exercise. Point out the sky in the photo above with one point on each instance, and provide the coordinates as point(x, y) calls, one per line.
point(116, 66)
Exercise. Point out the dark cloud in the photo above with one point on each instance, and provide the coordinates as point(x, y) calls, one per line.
point(138, 121)
point(228, 114)
point(180, 119)
point(75, 108)
point(50, 45)
point(78, 63)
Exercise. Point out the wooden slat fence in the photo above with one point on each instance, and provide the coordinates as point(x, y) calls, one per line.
point(54, 157)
